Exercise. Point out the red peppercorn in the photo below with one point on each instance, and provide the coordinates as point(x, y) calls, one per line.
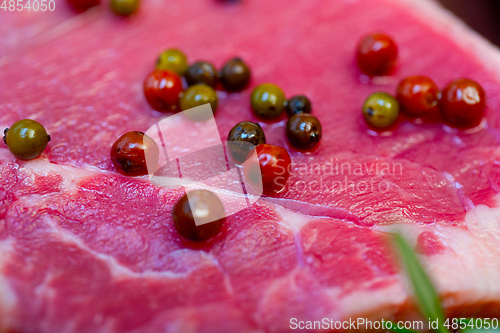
point(133, 152)
point(462, 103)
point(377, 54)
point(162, 89)
point(274, 165)
point(417, 95)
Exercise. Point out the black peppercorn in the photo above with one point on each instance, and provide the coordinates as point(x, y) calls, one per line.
point(298, 104)
point(303, 131)
point(235, 75)
point(243, 137)
point(201, 72)
point(200, 207)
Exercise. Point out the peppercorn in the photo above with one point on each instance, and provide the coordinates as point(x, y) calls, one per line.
point(303, 131)
point(172, 60)
point(243, 137)
point(26, 139)
point(198, 215)
point(298, 104)
point(201, 72)
point(381, 110)
point(135, 154)
point(235, 75)
point(268, 101)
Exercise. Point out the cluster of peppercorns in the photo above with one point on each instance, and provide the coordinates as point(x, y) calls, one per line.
point(164, 89)
point(303, 131)
point(461, 104)
point(119, 7)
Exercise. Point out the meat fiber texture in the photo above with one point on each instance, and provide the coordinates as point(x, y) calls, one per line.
point(84, 249)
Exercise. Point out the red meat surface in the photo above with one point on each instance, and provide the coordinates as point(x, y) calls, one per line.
point(84, 249)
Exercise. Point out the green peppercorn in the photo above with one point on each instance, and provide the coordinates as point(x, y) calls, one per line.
point(235, 75)
point(268, 101)
point(243, 137)
point(124, 7)
point(197, 95)
point(303, 131)
point(173, 60)
point(26, 139)
point(201, 72)
point(380, 110)
point(298, 104)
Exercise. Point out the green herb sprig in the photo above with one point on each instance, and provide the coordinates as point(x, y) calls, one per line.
point(424, 292)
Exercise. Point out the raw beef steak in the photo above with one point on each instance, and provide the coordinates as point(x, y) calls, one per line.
point(83, 249)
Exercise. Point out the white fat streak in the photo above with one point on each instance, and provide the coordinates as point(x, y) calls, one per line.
point(294, 221)
point(71, 176)
point(41, 166)
point(232, 200)
point(483, 221)
point(371, 303)
point(117, 270)
point(466, 273)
